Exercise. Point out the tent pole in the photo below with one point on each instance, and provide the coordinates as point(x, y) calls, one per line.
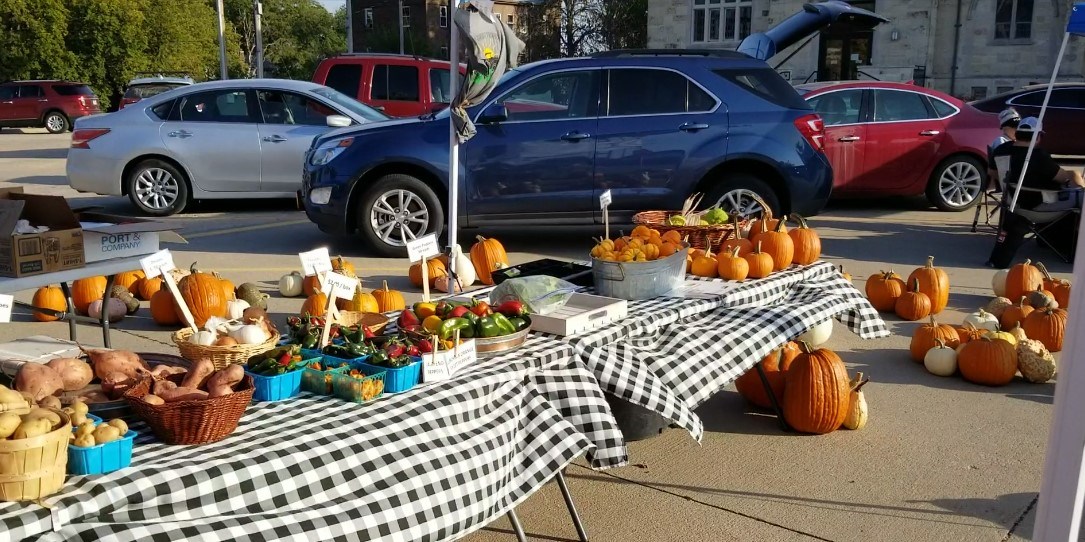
point(1043, 110)
point(453, 141)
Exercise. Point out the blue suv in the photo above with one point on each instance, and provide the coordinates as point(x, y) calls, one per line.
point(651, 126)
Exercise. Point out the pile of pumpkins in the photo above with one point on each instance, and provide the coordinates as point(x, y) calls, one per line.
point(316, 302)
point(996, 342)
point(487, 255)
point(926, 292)
point(770, 247)
point(811, 384)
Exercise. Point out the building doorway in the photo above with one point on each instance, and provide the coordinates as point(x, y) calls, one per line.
point(844, 48)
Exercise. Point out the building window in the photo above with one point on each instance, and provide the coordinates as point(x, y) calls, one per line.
point(444, 16)
point(368, 14)
point(979, 93)
point(721, 20)
point(406, 19)
point(1013, 19)
point(510, 21)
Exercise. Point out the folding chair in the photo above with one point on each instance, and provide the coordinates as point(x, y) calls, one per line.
point(991, 204)
point(1057, 205)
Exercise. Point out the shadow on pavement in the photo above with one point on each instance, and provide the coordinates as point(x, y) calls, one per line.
point(36, 153)
point(45, 180)
point(987, 509)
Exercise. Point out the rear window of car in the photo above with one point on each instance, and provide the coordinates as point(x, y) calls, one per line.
point(346, 78)
point(942, 108)
point(146, 91)
point(767, 84)
point(73, 90)
point(162, 110)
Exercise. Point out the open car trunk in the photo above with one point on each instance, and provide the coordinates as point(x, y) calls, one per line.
point(812, 18)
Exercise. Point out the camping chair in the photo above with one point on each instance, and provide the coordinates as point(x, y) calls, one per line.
point(1057, 205)
point(991, 203)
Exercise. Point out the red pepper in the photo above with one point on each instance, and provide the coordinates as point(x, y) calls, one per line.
point(481, 308)
point(512, 308)
point(458, 312)
point(394, 350)
point(413, 350)
point(424, 346)
point(368, 333)
point(284, 359)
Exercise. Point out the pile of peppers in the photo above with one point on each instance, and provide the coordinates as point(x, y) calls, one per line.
point(475, 319)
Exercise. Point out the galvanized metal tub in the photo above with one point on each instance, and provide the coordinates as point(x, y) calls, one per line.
point(639, 280)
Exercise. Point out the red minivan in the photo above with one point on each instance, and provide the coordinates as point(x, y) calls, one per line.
point(398, 85)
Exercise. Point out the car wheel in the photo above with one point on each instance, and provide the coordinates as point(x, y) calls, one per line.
point(55, 122)
point(957, 184)
point(397, 209)
point(157, 188)
point(738, 192)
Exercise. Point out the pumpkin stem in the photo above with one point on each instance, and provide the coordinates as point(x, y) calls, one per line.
point(930, 262)
point(780, 225)
point(933, 323)
point(192, 268)
point(386, 282)
point(805, 348)
point(1043, 269)
point(915, 283)
point(861, 384)
point(758, 248)
point(939, 342)
point(708, 249)
point(734, 252)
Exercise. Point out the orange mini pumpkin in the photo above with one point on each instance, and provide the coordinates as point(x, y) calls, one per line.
point(1014, 314)
point(934, 282)
point(734, 239)
point(86, 291)
point(315, 305)
point(913, 305)
point(806, 240)
point(705, 265)
point(49, 297)
point(760, 263)
point(883, 289)
point(733, 266)
point(164, 308)
point(148, 287)
point(778, 244)
point(434, 269)
point(389, 300)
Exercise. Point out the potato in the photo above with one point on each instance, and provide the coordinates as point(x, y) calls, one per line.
point(53, 417)
point(50, 402)
point(120, 424)
point(38, 380)
point(228, 377)
point(182, 394)
point(9, 422)
point(85, 441)
point(10, 396)
point(153, 400)
point(106, 433)
point(80, 407)
point(74, 372)
point(78, 419)
point(85, 428)
point(35, 427)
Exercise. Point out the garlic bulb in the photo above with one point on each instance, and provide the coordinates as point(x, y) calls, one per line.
point(235, 309)
point(202, 338)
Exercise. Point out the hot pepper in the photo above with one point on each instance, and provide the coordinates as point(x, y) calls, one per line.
point(450, 326)
point(512, 308)
point(310, 340)
point(487, 327)
point(424, 346)
point(481, 308)
point(504, 324)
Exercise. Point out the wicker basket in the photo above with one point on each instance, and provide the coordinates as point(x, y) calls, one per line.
point(192, 422)
point(376, 322)
point(34, 468)
point(698, 236)
point(221, 356)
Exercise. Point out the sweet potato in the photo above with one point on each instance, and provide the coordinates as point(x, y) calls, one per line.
point(116, 384)
point(38, 380)
point(218, 391)
point(75, 372)
point(228, 377)
point(106, 362)
point(198, 374)
point(163, 385)
point(182, 394)
point(162, 371)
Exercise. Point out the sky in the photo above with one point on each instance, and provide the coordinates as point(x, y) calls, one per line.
point(332, 5)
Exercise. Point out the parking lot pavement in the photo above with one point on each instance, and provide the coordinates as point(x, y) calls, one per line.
point(939, 460)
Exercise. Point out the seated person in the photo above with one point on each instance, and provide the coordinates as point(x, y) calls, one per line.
point(1043, 174)
point(1001, 146)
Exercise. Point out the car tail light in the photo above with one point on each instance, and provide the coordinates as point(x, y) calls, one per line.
point(81, 138)
point(813, 129)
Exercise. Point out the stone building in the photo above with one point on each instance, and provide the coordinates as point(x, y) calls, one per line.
point(426, 24)
point(998, 44)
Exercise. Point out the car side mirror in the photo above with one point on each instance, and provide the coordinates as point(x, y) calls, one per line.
point(337, 121)
point(493, 114)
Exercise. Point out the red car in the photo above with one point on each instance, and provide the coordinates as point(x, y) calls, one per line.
point(1062, 122)
point(899, 139)
point(398, 85)
point(52, 105)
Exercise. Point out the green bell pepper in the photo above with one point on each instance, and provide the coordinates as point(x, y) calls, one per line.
point(518, 323)
point(311, 340)
point(487, 327)
point(448, 328)
point(503, 324)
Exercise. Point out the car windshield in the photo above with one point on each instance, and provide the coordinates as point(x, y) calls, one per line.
point(354, 106)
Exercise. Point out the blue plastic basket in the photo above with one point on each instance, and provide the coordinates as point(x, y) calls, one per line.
point(278, 387)
point(396, 380)
point(102, 458)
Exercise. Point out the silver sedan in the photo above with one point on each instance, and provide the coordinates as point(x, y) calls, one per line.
point(242, 138)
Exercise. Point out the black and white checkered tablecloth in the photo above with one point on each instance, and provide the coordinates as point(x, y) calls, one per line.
point(433, 463)
point(672, 354)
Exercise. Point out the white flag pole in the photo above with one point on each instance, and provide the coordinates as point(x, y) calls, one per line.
point(1043, 110)
point(453, 142)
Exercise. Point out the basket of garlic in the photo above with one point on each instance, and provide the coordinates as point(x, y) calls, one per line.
point(226, 342)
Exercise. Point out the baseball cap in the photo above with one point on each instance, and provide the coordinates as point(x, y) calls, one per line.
point(1008, 116)
point(1029, 124)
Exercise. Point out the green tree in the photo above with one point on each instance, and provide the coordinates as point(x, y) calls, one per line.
point(109, 40)
point(30, 45)
point(182, 37)
point(623, 24)
point(297, 34)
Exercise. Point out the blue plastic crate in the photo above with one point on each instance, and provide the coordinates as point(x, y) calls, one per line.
point(102, 458)
point(397, 380)
point(276, 388)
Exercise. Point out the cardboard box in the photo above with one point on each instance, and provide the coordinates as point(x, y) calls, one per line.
point(59, 249)
point(106, 237)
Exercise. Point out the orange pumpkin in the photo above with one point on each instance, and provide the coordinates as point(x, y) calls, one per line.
point(1058, 287)
point(806, 240)
point(672, 236)
point(388, 300)
point(934, 282)
point(1022, 279)
point(987, 361)
point(968, 333)
point(148, 287)
point(732, 266)
point(315, 305)
point(434, 268)
point(362, 302)
point(690, 256)
point(775, 364)
point(816, 391)
point(764, 224)
point(883, 289)
point(913, 305)
point(343, 267)
point(49, 297)
point(778, 244)
point(86, 291)
point(488, 256)
point(760, 263)
point(127, 278)
point(228, 291)
point(705, 265)
point(734, 239)
point(164, 309)
point(202, 292)
point(1047, 326)
point(1014, 314)
point(927, 336)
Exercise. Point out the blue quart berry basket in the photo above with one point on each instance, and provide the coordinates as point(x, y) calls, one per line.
point(399, 379)
point(101, 458)
point(278, 387)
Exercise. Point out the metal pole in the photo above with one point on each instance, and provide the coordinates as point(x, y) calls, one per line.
point(453, 141)
point(517, 529)
point(1043, 109)
point(258, 12)
point(401, 27)
point(350, 27)
point(956, 50)
point(565, 494)
point(222, 42)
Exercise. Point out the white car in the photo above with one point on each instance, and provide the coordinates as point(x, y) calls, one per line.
point(241, 138)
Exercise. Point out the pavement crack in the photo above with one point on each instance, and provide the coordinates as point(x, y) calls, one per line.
point(711, 505)
point(1021, 518)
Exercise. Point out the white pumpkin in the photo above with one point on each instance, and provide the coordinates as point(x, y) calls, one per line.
point(290, 285)
point(117, 309)
point(202, 338)
point(998, 282)
point(249, 334)
point(465, 270)
point(817, 335)
point(941, 360)
point(235, 308)
point(982, 319)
